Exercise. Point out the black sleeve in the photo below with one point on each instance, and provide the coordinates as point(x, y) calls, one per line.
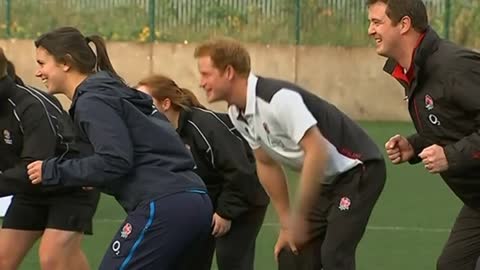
point(112, 146)
point(39, 142)
point(231, 160)
point(463, 88)
point(418, 143)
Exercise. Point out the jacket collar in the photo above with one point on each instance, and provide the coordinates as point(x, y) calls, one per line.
point(250, 102)
point(251, 94)
point(185, 115)
point(427, 47)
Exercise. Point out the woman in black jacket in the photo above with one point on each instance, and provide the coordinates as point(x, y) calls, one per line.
point(226, 165)
point(34, 126)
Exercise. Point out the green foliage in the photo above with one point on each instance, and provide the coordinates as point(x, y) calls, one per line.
point(326, 22)
point(466, 23)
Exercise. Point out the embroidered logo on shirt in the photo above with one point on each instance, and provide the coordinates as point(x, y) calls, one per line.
point(428, 102)
point(7, 137)
point(344, 204)
point(126, 230)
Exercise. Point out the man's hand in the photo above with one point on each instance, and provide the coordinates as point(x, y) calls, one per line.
point(399, 149)
point(284, 240)
point(300, 228)
point(221, 226)
point(434, 159)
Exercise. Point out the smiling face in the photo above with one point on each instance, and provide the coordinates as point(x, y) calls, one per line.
point(51, 72)
point(216, 83)
point(381, 28)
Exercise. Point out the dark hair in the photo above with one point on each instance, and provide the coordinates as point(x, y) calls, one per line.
point(162, 87)
point(69, 45)
point(13, 74)
point(8, 69)
point(3, 64)
point(414, 9)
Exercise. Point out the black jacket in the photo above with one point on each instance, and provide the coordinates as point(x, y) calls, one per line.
point(223, 160)
point(444, 104)
point(135, 153)
point(33, 127)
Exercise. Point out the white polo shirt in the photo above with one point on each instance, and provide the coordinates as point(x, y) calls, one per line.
point(277, 120)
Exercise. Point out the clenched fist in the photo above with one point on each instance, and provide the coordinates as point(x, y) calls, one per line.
point(399, 149)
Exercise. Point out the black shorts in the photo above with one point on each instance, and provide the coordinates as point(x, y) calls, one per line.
point(72, 211)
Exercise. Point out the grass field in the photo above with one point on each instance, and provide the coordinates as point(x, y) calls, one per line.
point(407, 230)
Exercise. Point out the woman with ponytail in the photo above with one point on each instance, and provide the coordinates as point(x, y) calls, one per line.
point(226, 165)
point(134, 155)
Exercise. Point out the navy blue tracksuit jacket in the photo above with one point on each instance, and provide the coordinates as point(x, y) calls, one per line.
point(135, 153)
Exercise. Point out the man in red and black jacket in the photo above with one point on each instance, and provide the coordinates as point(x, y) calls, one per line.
point(441, 82)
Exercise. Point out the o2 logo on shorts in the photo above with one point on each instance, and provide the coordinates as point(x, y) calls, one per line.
point(116, 247)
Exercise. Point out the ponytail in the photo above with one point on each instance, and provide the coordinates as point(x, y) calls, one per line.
point(7, 68)
point(13, 74)
point(189, 99)
point(162, 87)
point(103, 60)
point(3, 64)
point(69, 45)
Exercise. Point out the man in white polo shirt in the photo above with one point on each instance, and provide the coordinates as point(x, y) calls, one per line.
point(342, 172)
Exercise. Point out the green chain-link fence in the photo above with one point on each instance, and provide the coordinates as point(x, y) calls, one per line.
point(315, 22)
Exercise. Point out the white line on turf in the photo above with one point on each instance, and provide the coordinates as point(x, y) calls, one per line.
point(371, 228)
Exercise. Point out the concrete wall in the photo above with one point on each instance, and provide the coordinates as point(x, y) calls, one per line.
point(351, 78)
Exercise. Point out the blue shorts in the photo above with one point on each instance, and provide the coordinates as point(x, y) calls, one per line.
point(157, 234)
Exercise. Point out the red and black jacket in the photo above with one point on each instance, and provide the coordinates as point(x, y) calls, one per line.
point(443, 94)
